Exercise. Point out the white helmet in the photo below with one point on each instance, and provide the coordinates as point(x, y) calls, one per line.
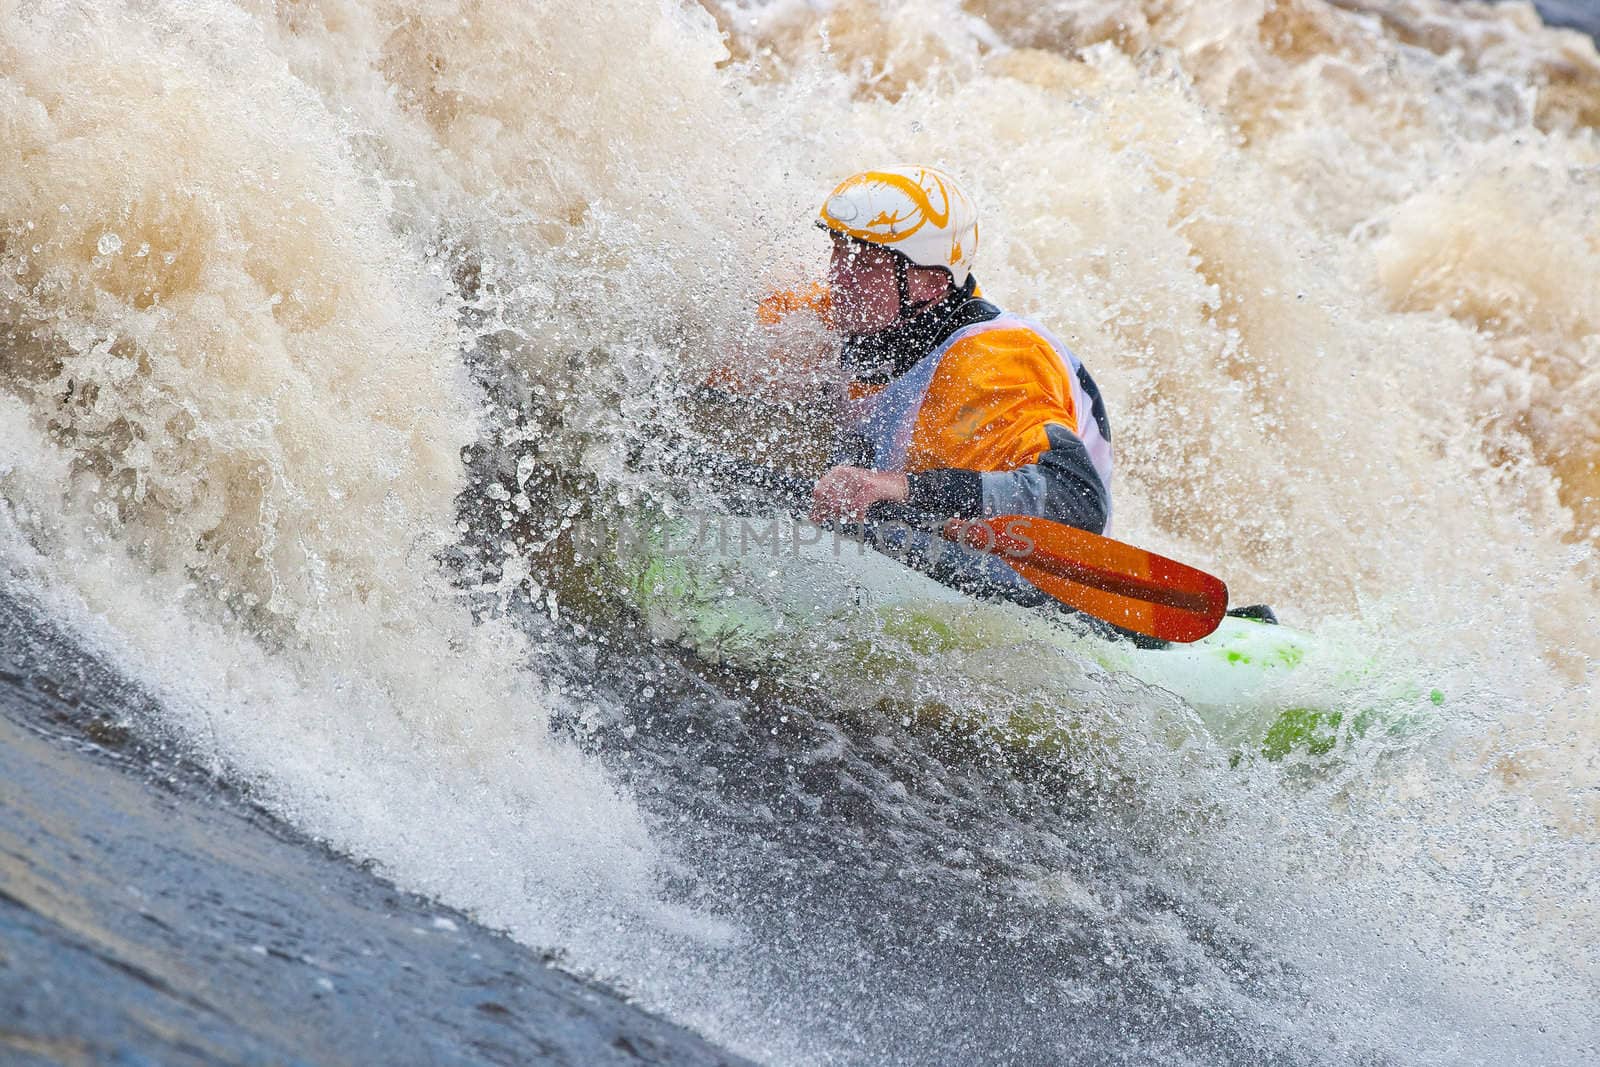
point(918, 212)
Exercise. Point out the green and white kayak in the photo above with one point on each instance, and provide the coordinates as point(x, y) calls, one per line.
point(838, 617)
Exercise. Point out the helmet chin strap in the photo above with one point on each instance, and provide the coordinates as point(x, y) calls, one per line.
point(902, 271)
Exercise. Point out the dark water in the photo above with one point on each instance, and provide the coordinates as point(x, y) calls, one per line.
point(150, 914)
point(989, 908)
point(1583, 15)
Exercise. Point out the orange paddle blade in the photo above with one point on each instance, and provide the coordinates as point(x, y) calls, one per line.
point(1127, 586)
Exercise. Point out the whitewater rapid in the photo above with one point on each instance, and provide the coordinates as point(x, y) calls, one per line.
point(323, 324)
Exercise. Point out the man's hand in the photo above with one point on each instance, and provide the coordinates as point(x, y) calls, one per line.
point(847, 492)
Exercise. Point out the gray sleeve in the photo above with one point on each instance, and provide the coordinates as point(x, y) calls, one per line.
point(1061, 485)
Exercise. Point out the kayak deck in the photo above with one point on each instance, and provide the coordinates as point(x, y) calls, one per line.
point(859, 622)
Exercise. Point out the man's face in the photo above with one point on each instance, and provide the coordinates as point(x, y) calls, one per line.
point(861, 286)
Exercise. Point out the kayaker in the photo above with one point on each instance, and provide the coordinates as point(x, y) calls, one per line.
point(955, 407)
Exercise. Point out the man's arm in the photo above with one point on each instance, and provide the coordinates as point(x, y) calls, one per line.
point(996, 436)
point(1061, 484)
point(846, 492)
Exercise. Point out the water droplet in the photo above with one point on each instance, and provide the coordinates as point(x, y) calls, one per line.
point(110, 244)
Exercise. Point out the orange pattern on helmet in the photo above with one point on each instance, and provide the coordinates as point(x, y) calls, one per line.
point(919, 212)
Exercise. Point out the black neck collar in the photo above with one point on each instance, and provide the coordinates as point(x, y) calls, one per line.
point(888, 353)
